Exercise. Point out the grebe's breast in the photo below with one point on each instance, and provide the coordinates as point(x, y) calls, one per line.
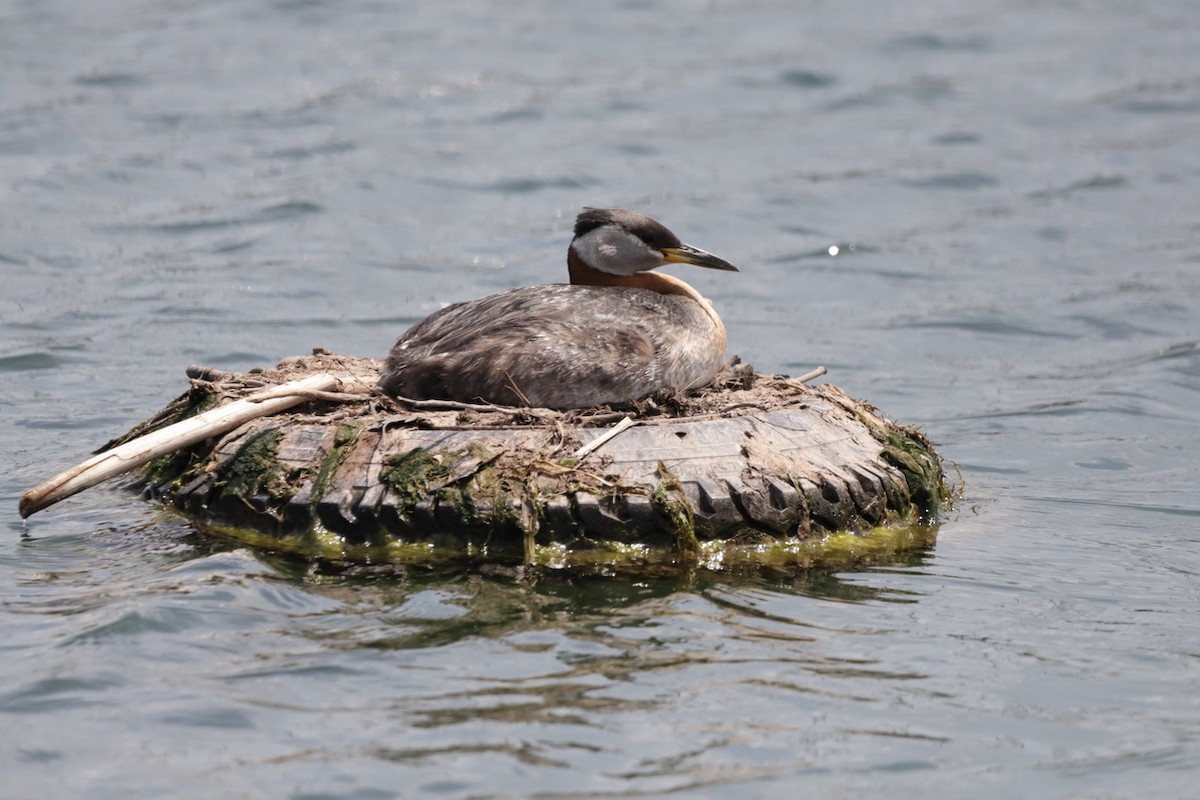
point(559, 346)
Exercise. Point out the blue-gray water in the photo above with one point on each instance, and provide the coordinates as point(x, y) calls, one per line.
point(1013, 189)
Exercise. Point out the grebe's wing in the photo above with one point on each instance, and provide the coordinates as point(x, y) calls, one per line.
point(556, 346)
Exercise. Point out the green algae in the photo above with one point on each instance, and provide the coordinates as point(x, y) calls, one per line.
point(912, 453)
point(165, 469)
point(253, 467)
point(410, 474)
point(672, 505)
point(344, 439)
point(908, 450)
point(471, 487)
point(749, 552)
point(736, 555)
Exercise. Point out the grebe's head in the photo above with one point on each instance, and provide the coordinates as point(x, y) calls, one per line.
point(622, 242)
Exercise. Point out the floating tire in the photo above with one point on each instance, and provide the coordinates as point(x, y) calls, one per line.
point(751, 459)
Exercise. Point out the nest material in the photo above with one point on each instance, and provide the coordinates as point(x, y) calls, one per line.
point(751, 458)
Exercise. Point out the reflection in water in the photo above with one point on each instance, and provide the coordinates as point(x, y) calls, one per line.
point(420, 608)
point(574, 668)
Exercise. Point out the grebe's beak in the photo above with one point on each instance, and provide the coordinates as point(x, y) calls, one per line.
point(686, 254)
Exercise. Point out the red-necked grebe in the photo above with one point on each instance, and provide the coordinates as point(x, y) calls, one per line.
point(618, 332)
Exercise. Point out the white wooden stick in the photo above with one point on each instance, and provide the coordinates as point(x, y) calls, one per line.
point(139, 451)
point(623, 425)
point(808, 376)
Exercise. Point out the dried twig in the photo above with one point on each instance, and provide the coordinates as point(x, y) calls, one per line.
point(331, 397)
point(736, 406)
point(550, 468)
point(455, 405)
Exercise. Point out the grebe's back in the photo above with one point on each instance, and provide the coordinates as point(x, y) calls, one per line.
point(616, 333)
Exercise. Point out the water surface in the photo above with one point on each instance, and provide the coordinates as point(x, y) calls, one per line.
point(1010, 189)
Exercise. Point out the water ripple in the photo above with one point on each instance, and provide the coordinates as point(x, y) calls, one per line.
point(274, 213)
point(526, 185)
point(57, 694)
point(967, 43)
point(111, 80)
point(953, 180)
point(923, 91)
point(326, 148)
point(24, 362)
point(807, 79)
point(1087, 184)
point(990, 326)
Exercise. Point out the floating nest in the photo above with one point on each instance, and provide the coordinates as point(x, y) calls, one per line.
point(751, 468)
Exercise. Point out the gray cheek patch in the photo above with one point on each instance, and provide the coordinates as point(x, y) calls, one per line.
point(616, 251)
